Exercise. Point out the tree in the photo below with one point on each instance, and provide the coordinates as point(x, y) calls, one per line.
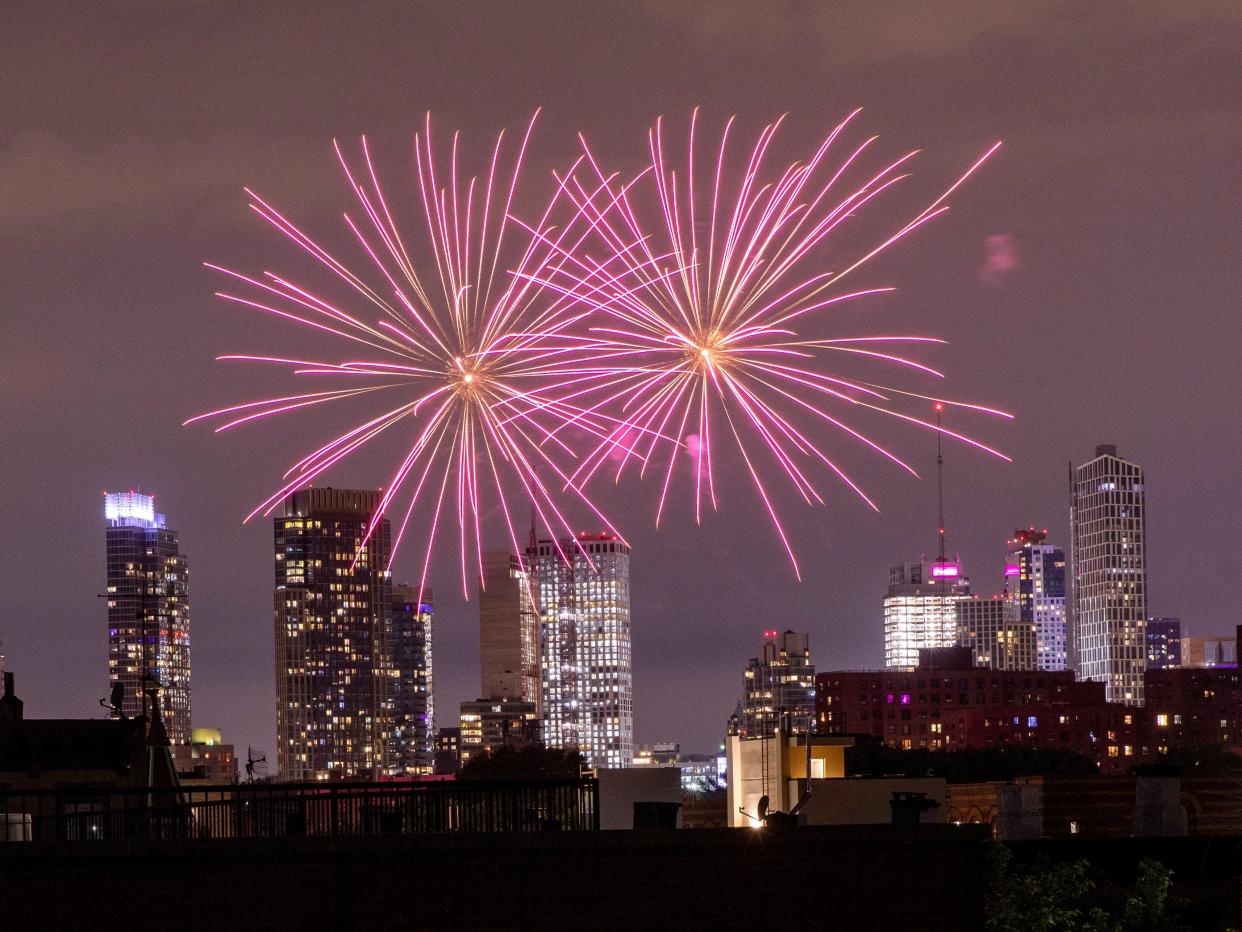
point(532, 762)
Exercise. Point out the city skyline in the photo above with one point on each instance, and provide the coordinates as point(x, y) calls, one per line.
point(1110, 211)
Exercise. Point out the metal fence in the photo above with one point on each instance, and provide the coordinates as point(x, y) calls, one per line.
point(274, 810)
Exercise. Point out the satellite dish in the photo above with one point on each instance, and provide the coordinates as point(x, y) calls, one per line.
point(762, 808)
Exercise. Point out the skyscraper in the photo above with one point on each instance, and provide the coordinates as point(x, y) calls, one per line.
point(148, 611)
point(586, 683)
point(998, 637)
point(412, 730)
point(920, 610)
point(779, 686)
point(1109, 569)
point(333, 614)
point(1164, 643)
point(508, 631)
point(1035, 576)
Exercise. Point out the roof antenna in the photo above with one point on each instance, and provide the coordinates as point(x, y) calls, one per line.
point(940, 480)
point(534, 542)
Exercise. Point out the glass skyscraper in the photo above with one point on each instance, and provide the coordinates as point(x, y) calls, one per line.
point(996, 634)
point(333, 616)
point(412, 696)
point(779, 687)
point(1035, 577)
point(1108, 557)
point(148, 611)
point(586, 684)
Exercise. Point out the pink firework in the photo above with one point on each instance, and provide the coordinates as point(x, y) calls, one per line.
point(446, 346)
point(699, 316)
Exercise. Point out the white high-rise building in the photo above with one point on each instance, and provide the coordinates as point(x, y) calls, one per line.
point(920, 610)
point(1035, 577)
point(586, 685)
point(1109, 571)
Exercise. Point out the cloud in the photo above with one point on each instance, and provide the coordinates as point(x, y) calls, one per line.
point(44, 180)
point(1001, 258)
point(853, 32)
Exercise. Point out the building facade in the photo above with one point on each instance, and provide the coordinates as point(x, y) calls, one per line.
point(333, 608)
point(996, 634)
point(1109, 566)
point(412, 693)
point(1164, 643)
point(779, 686)
point(920, 610)
point(490, 724)
point(1035, 577)
point(148, 592)
point(586, 684)
point(958, 709)
point(508, 630)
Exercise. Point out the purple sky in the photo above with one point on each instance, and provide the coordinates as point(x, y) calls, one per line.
point(1088, 280)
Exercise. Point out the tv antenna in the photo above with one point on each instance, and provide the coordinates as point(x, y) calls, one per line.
point(252, 763)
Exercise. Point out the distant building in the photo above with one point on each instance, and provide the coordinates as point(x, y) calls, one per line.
point(945, 709)
point(333, 608)
point(920, 609)
point(508, 630)
point(206, 760)
point(779, 686)
point(148, 592)
point(448, 751)
point(998, 637)
point(1035, 578)
point(490, 724)
point(412, 691)
point(1213, 650)
point(1109, 570)
point(1195, 707)
point(1164, 643)
point(586, 687)
point(700, 773)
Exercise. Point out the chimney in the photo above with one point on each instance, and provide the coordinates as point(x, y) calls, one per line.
point(10, 705)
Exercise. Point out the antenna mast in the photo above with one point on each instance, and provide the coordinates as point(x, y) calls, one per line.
point(940, 480)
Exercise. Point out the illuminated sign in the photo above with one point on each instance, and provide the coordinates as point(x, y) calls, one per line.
point(1012, 570)
point(945, 570)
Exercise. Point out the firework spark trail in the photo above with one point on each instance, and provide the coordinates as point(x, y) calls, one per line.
point(462, 341)
point(694, 324)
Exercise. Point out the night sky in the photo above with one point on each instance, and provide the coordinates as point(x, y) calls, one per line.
point(1088, 279)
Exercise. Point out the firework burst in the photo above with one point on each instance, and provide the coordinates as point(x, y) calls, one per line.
point(454, 349)
point(698, 331)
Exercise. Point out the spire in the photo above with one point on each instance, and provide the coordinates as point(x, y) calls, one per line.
point(534, 538)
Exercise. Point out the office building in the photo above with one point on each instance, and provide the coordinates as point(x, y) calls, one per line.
point(920, 609)
point(490, 724)
point(779, 686)
point(333, 607)
point(1108, 557)
point(508, 631)
point(1035, 579)
point(586, 685)
point(148, 611)
point(412, 694)
point(1164, 643)
point(996, 634)
point(448, 751)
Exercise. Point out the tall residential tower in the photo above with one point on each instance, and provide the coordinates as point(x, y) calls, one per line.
point(586, 689)
point(148, 611)
point(333, 614)
point(1109, 566)
point(779, 687)
point(1035, 577)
